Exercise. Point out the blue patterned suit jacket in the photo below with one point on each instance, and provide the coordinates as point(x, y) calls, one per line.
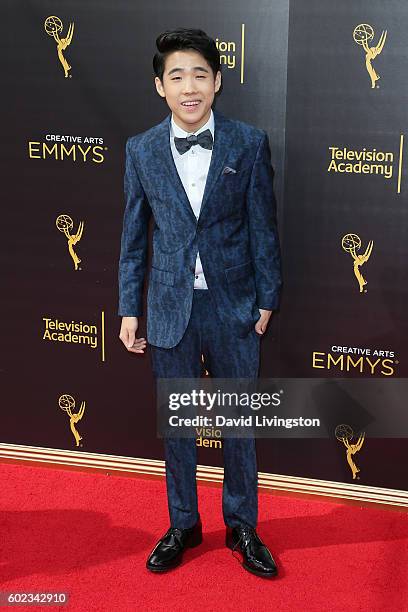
point(235, 233)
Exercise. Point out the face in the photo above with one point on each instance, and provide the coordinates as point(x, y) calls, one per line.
point(189, 88)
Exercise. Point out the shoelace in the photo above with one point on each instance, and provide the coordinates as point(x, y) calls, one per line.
point(176, 532)
point(245, 531)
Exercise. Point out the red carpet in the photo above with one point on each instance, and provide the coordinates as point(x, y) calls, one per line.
point(89, 534)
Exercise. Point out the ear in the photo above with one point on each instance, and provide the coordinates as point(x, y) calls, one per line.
point(159, 87)
point(217, 81)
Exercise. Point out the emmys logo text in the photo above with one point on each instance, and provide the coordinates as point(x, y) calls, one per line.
point(72, 332)
point(347, 359)
point(74, 148)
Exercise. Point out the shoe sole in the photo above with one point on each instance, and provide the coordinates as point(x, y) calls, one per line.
point(160, 570)
point(261, 574)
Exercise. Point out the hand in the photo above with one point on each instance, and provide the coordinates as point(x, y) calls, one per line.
point(262, 323)
point(127, 334)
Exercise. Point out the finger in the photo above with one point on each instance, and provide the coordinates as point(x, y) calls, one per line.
point(130, 339)
point(258, 328)
point(137, 350)
point(139, 343)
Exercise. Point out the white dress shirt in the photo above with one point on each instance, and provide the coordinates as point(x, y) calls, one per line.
point(192, 167)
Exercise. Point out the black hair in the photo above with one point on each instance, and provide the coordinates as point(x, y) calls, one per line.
point(183, 39)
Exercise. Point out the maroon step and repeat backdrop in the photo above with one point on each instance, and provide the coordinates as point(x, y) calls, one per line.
point(328, 82)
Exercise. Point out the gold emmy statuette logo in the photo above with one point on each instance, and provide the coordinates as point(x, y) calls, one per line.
point(352, 243)
point(67, 403)
point(64, 223)
point(345, 434)
point(53, 27)
point(363, 34)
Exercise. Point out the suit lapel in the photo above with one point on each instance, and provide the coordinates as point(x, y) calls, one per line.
point(223, 139)
point(165, 163)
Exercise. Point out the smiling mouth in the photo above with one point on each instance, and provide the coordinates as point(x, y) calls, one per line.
point(191, 103)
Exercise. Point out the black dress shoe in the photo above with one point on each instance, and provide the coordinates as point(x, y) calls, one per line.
point(168, 552)
point(256, 557)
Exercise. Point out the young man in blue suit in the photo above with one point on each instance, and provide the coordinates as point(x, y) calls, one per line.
point(215, 274)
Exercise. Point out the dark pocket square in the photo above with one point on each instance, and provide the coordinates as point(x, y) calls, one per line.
point(228, 170)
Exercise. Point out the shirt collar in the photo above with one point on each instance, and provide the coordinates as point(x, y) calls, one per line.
point(180, 133)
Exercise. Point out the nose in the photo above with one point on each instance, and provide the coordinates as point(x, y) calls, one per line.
point(189, 84)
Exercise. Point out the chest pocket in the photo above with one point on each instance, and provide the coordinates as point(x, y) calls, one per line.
point(241, 166)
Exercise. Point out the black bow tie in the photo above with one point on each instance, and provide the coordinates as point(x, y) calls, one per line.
point(204, 139)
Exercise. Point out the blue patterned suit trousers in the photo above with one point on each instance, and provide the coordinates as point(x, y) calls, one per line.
point(225, 356)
